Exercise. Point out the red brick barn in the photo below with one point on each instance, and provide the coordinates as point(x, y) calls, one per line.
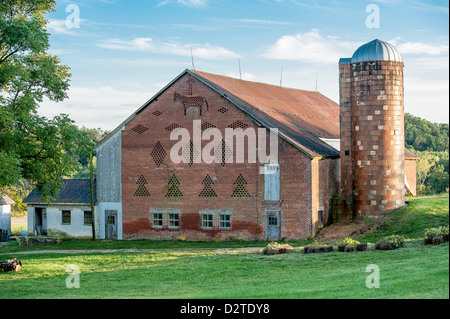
point(143, 193)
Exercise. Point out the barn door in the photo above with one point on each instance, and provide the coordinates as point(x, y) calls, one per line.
point(272, 182)
point(111, 224)
point(272, 224)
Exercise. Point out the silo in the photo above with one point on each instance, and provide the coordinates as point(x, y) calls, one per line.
point(372, 129)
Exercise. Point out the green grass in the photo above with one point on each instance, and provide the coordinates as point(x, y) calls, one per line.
point(414, 219)
point(416, 271)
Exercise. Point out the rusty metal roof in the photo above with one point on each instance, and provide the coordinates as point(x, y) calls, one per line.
point(409, 155)
point(74, 191)
point(301, 117)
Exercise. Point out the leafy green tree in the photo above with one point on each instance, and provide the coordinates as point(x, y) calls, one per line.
point(33, 147)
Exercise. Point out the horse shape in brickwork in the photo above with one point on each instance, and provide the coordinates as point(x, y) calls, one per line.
point(195, 101)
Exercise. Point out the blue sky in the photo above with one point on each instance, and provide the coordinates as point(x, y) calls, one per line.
point(125, 51)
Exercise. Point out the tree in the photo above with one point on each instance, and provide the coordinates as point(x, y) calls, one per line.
point(33, 147)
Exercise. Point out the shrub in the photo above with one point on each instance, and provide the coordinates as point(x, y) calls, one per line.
point(348, 241)
point(275, 248)
point(436, 236)
point(396, 241)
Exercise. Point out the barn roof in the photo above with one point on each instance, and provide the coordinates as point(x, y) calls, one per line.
point(409, 155)
point(302, 117)
point(6, 200)
point(74, 191)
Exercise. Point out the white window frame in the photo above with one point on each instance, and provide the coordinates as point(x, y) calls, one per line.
point(207, 220)
point(175, 220)
point(226, 221)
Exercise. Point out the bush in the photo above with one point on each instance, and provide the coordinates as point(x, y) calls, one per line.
point(436, 236)
point(275, 248)
point(348, 241)
point(396, 241)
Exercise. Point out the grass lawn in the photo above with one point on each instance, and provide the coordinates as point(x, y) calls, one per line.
point(416, 271)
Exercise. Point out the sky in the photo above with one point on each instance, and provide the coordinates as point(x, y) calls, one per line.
point(122, 52)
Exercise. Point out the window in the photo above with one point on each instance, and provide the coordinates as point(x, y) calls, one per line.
point(174, 221)
point(66, 217)
point(224, 221)
point(111, 219)
point(207, 221)
point(87, 218)
point(157, 220)
point(273, 221)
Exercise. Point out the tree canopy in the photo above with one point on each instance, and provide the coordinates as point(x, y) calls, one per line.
point(33, 147)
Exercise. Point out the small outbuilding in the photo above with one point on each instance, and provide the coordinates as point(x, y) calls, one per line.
point(5, 213)
point(68, 215)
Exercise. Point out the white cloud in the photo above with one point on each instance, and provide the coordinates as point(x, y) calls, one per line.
point(202, 51)
point(193, 3)
point(422, 48)
point(104, 106)
point(310, 47)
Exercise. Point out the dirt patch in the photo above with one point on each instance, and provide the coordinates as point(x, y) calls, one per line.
point(340, 231)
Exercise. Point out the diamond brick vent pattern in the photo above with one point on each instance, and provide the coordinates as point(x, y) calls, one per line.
point(158, 154)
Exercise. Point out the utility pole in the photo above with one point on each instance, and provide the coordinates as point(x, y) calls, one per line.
point(92, 196)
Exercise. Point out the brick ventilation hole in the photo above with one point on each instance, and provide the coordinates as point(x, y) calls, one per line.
point(140, 129)
point(206, 126)
point(142, 190)
point(157, 113)
point(223, 153)
point(208, 191)
point(190, 153)
point(238, 124)
point(174, 187)
point(173, 127)
point(159, 154)
point(240, 190)
point(223, 110)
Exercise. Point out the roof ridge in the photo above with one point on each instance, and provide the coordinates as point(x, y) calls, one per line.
point(256, 82)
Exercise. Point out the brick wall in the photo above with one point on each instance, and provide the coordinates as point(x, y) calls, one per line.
point(148, 174)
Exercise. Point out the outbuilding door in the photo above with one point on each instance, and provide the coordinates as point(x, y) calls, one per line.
point(111, 224)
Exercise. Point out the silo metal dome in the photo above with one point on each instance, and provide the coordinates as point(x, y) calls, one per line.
point(376, 50)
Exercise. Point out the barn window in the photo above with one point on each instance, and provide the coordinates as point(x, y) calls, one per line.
point(223, 110)
point(87, 218)
point(190, 153)
point(225, 221)
point(272, 182)
point(158, 154)
point(238, 124)
point(207, 221)
point(157, 113)
point(240, 190)
point(66, 217)
point(223, 153)
point(208, 191)
point(140, 129)
point(173, 127)
point(142, 190)
point(206, 126)
point(174, 187)
point(174, 220)
point(157, 220)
